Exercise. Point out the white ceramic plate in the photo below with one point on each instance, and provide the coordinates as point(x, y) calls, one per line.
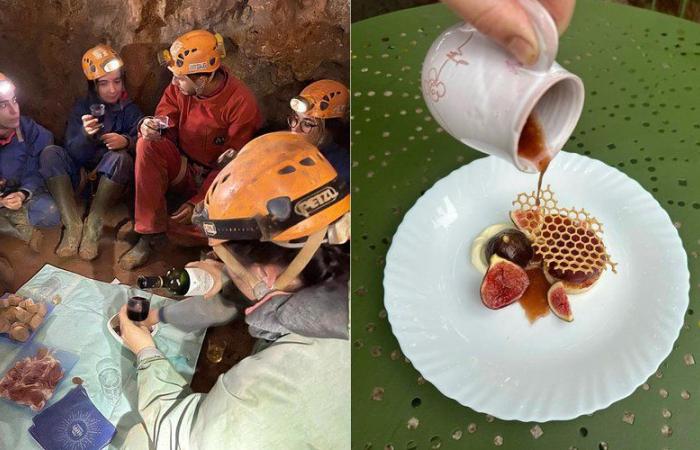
point(497, 362)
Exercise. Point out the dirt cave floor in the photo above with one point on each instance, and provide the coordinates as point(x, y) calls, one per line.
point(26, 264)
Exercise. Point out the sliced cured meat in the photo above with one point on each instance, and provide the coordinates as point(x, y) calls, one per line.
point(32, 380)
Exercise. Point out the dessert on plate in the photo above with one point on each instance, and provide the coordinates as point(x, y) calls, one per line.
point(547, 254)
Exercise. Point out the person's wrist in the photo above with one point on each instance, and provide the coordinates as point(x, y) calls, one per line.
point(146, 353)
point(142, 345)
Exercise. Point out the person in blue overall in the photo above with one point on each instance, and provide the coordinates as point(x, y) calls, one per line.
point(319, 113)
point(100, 139)
point(24, 202)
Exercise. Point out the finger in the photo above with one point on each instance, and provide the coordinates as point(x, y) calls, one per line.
point(504, 21)
point(86, 117)
point(215, 289)
point(561, 11)
point(124, 321)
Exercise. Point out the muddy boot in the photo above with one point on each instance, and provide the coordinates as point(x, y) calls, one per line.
point(139, 253)
point(16, 224)
point(8, 229)
point(126, 232)
point(62, 191)
point(107, 191)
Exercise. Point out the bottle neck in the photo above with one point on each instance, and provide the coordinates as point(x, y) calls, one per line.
point(150, 282)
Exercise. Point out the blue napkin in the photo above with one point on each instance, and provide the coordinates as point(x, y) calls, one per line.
point(72, 423)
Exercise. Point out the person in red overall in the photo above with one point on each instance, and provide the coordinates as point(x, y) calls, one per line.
point(203, 113)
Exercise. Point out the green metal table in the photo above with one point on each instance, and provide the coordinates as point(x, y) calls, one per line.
point(640, 70)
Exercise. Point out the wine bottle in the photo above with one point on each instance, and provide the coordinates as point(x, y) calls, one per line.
point(185, 282)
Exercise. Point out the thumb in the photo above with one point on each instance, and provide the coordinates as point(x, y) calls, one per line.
point(504, 21)
point(124, 321)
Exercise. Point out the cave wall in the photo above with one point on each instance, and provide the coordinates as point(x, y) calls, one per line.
point(275, 46)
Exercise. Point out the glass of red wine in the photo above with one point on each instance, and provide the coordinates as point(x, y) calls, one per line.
point(138, 304)
point(97, 110)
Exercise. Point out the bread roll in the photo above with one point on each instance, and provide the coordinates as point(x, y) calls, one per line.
point(31, 306)
point(41, 309)
point(15, 299)
point(35, 321)
point(23, 315)
point(4, 325)
point(20, 332)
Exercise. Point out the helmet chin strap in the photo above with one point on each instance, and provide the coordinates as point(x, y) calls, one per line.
point(257, 285)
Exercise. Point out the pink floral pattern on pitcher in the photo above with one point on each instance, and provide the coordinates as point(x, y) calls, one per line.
point(435, 88)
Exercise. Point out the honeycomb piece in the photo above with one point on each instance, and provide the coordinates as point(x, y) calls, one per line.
point(566, 239)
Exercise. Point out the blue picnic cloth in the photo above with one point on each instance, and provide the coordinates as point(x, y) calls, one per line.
point(78, 324)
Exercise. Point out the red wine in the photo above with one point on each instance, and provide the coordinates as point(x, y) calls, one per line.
point(137, 308)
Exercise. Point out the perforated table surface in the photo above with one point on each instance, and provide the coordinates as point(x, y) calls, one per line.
point(640, 70)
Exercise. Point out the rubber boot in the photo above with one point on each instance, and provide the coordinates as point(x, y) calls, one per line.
point(126, 232)
point(139, 253)
point(15, 223)
point(107, 192)
point(62, 191)
point(8, 229)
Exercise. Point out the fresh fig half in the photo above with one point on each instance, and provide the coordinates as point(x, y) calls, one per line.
point(526, 221)
point(504, 283)
point(512, 245)
point(559, 302)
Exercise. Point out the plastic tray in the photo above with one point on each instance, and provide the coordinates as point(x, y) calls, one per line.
point(68, 361)
point(49, 309)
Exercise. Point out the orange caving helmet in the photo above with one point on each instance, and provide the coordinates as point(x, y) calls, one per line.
point(197, 51)
point(99, 61)
point(280, 188)
point(323, 99)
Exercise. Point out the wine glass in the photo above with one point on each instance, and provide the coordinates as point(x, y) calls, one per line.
point(161, 123)
point(138, 304)
point(97, 110)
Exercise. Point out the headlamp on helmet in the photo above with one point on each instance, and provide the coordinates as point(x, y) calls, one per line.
point(5, 87)
point(300, 104)
point(112, 65)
